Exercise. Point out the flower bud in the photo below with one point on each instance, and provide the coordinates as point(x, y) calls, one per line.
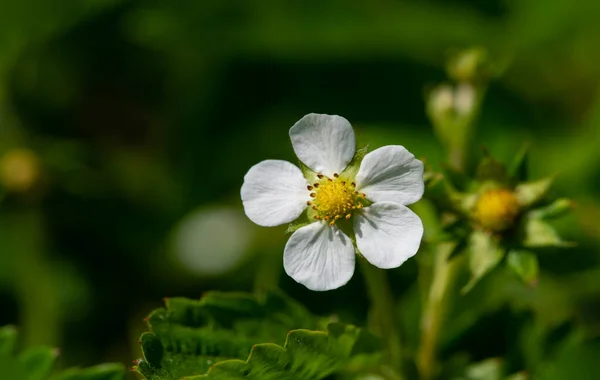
point(467, 65)
point(19, 170)
point(496, 209)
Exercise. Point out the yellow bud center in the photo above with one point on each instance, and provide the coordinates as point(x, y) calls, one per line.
point(496, 209)
point(19, 170)
point(334, 198)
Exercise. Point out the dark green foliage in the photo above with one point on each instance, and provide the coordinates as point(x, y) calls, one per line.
point(36, 363)
point(218, 334)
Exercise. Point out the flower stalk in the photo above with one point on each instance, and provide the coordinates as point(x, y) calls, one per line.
point(383, 312)
point(435, 309)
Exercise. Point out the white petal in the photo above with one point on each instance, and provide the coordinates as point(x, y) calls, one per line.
point(387, 234)
point(324, 143)
point(274, 192)
point(319, 257)
point(391, 173)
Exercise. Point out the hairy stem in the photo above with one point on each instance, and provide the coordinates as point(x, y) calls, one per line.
point(435, 308)
point(383, 311)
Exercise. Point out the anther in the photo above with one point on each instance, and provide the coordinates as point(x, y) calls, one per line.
point(353, 184)
point(363, 195)
point(337, 217)
point(336, 175)
point(348, 216)
point(332, 223)
point(308, 203)
point(344, 183)
point(309, 187)
point(359, 206)
point(320, 176)
point(329, 179)
point(317, 217)
point(312, 195)
point(314, 208)
point(315, 184)
point(326, 218)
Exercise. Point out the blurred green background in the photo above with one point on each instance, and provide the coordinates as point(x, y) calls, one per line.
point(130, 125)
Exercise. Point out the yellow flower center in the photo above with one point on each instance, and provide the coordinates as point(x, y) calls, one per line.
point(496, 209)
point(334, 198)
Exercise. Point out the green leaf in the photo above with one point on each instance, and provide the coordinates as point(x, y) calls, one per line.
point(219, 333)
point(484, 254)
point(524, 264)
point(189, 336)
point(540, 234)
point(528, 193)
point(110, 371)
point(8, 339)
point(36, 363)
point(306, 355)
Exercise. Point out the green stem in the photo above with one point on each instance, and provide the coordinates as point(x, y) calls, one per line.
point(34, 285)
point(434, 312)
point(383, 310)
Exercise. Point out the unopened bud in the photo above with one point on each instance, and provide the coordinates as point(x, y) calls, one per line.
point(19, 170)
point(496, 209)
point(467, 65)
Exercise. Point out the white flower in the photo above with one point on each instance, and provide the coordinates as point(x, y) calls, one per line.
point(368, 203)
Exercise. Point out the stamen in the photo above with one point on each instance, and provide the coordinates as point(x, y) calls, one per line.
point(334, 199)
point(308, 203)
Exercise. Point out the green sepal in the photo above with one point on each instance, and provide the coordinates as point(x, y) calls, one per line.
point(488, 369)
point(555, 209)
point(518, 168)
point(484, 253)
point(352, 169)
point(308, 173)
point(524, 264)
point(529, 193)
point(306, 355)
point(489, 169)
point(464, 203)
point(538, 233)
point(297, 224)
point(458, 179)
